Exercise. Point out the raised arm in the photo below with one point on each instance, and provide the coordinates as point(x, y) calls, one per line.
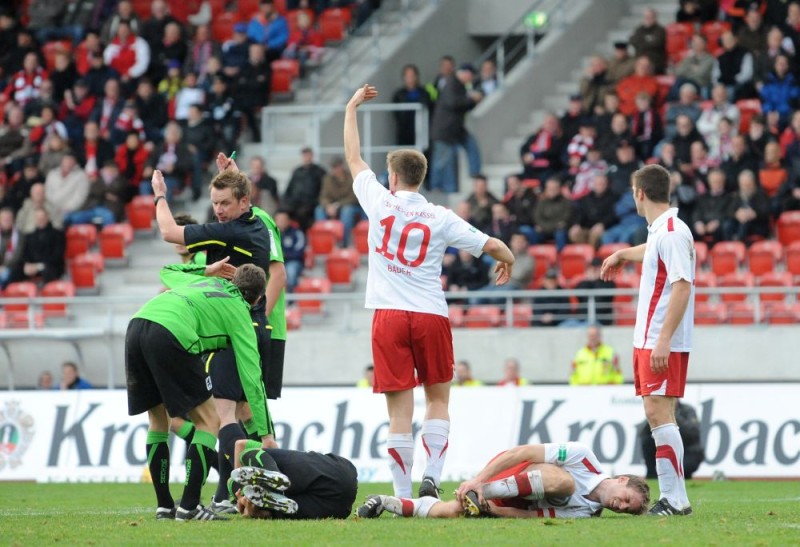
point(352, 142)
point(170, 231)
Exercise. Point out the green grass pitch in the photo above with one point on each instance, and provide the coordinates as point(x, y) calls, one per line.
point(726, 513)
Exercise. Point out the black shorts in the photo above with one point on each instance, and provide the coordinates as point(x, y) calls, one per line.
point(221, 366)
point(272, 368)
point(158, 370)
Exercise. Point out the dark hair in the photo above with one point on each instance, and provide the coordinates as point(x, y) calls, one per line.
point(252, 282)
point(653, 180)
point(411, 67)
point(410, 165)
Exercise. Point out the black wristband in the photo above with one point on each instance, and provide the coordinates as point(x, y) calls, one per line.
point(155, 201)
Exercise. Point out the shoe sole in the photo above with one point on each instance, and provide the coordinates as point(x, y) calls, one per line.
point(471, 506)
point(365, 512)
point(192, 516)
point(256, 475)
point(267, 499)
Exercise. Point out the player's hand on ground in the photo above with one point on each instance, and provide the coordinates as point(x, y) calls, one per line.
point(611, 267)
point(226, 163)
point(474, 485)
point(363, 94)
point(159, 186)
point(659, 358)
point(221, 268)
point(503, 271)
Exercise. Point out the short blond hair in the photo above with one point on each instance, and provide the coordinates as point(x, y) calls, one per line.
point(410, 166)
point(236, 181)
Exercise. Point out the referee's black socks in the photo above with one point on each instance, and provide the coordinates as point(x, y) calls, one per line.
point(158, 465)
point(228, 436)
point(198, 462)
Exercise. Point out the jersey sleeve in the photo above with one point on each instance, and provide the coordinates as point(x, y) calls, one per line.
point(200, 237)
point(369, 191)
point(676, 251)
point(248, 364)
point(566, 454)
point(275, 247)
point(463, 235)
point(178, 275)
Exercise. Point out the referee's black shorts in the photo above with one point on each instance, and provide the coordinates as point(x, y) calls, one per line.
point(221, 365)
point(158, 370)
point(272, 368)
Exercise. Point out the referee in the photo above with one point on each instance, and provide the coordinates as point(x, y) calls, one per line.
point(242, 236)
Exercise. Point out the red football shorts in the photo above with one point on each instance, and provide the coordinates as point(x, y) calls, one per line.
point(670, 383)
point(406, 341)
point(518, 502)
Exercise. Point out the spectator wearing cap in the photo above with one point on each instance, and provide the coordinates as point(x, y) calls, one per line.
point(67, 186)
point(127, 53)
point(42, 254)
point(252, 88)
point(630, 228)
point(621, 64)
point(642, 80)
point(602, 304)
point(337, 200)
point(269, 28)
point(594, 213)
point(189, 94)
point(646, 127)
point(595, 84)
point(411, 92)
point(650, 39)
point(734, 68)
point(552, 214)
point(449, 133)
point(235, 51)
point(124, 12)
point(686, 105)
point(541, 152)
point(550, 310)
point(695, 68)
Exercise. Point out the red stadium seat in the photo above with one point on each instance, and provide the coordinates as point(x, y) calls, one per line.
point(483, 317)
point(324, 235)
point(624, 314)
point(55, 289)
point(762, 256)
point(280, 7)
point(80, 238)
point(312, 285)
point(736, 279)
point(142, 8)
point(741, 313)
point(83, 270)
point(713, 30)
point(781, 313)
point(114, 238)
point(626, 280)
point(361, 237)
point(140, 212)
point(544, 258)
point(793, 259)
point(747, 109)
point(665, 83)
point(222, 26)
point(294, 318)
point(332, 26)
point(248, 8)
point(339, 269)
point(706, 313)
point(703, 280)
point(727, 256)
point(608, 249)
point(678, 35)
point(292, 66)
point(774, 279)
point(456, 314)
point(19, 289)
point(788, 227)
point(281, 86)
point(522, 315)
point(574, 259)
point(700, 253)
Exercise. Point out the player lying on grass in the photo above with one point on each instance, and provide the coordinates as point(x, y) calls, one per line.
point(536, 480)
point(289, 484)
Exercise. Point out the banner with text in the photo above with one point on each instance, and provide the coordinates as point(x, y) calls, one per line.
point(749, 430)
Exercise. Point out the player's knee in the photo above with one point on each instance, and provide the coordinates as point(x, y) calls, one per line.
point(564, 486)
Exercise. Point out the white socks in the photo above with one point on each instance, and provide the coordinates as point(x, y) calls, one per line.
point(434, 441)
point(527, 484)
point(400, 447)
point(669, 465)
point(406, 507)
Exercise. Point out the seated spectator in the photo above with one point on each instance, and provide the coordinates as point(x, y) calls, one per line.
point(369, 377)
point(596, 363)
point(594, 214)
point(481, 201)
point(305, 44)
point(173, 158)
point(13, 59)
point(235, 51)
point(734, 68)
point(75, 109)
point(71, 379)
point(124, 12)
point(764, 61)
point(67, 187)
point(520, 201)
point(213, 71)
point(621, 64)
point(127, 53)
point(86, 50)
point(131, 157)
point(511, 375)
point(685, 135)
point(602, 304)
point(463, 376)
point(772, 174)
point(202, 49)
point(552, 215)
point(189, 94)
point(697, 11)
point(108, 108)
point(521, 275)
point(757, 137)
point(740, 159)
point(293, 241)
point(152, 109)
point(631, 227)
point(604, 114)
point(572, 118)
point(172, 82)
point(686, 105)
point(753, 34)
point(45, 127)
point(583, 141)
point(541, 152)
point(720, 107)
point(171, 48)
point(620, 172)
point(642, 80)
point(720, 145)
point(487, 77)
point(750, 211)
point(780, 91)
point(650, 40)
point(694, 69)
point(45, 381)
point(595, 84)
point(302, 193)
point(24, 86)
point(44, 16)
point(790, 144)
point(789, 195)
point(501, 226)
point(19, 191)
point(223, 114)
point(252, 88)
point(263, 187)
point(104, 204)
point(46, 98)
point(550, 311)
point(95, 152)
point(465, 272)
point(42, 253)
point(609, 141)
point(14, 142)
point(10, 240)
point(585, 173)
point(411, 92)
point(54, 149)
point(696, 172)
point(337, 199)
point(646, 126)
point(63, 76)
point(268, 27)
point(198, 135)
point(152, 29)
point(128, 121)
point(712, 210)
point(26, 216)
point(683, 196)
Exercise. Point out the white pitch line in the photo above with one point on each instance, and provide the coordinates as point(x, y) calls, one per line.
point(133, 511)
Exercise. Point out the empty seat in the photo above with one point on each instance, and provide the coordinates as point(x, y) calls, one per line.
point(60, 289)
point(222, 26)
point(544, 257)
point(712, 31)
point(703, 280)
point(483, 317)
point(626, 280)
point(788, 227)
point(293, 318)
point(312, 285)
point(741, 313)
point(774, 279)
point(83, 271)
point(247, 8)
point(80, 238)
point(140, 212)
point(339, 269)
point(455, 312)
point(762, 256)
point(700, 253)
point(574, 259)
point(727, 256)
point(610, 248)
point(793, 258)
point(114, 238)
point(706, 313)
point(361, 237)
point(281, 86)
point(736, 279)
point(292, 66)
point(781, 313)
point(522, 315)
point(624, 314)
point(324, 235)
point(332, 26)
point(747, 109)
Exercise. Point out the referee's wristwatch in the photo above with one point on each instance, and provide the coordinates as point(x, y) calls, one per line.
point(155, 201)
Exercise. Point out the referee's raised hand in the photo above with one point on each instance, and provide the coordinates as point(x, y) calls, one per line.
point(159, 186)
point(225, 163)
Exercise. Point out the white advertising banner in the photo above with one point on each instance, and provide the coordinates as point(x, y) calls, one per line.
point(749, 430)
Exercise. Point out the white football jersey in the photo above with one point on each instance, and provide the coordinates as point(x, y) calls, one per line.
point(669, 257)
point(408, 237)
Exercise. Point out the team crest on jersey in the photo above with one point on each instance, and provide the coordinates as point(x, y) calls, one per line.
point(16, 433)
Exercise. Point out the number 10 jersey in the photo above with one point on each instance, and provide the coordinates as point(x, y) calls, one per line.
point(408, 237)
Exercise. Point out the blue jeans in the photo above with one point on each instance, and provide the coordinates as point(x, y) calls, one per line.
point(444, 163)
point(146, 187)
point(621, 233)
point(90, 216)
point(293, 270)
point(348, 214)
point(559, 236)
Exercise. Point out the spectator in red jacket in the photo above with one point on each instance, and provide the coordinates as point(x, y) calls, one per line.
point(131, 157)
point(24, 85)
point(127, 53)
point(642, 80)
point(305, 43)
point(76, 108)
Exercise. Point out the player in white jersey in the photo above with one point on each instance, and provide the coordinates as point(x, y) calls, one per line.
point(662, 337)
point(411, 338)
point(531, 481)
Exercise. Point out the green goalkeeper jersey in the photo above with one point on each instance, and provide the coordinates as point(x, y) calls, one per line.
point(208, 314)
point(276, 319)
